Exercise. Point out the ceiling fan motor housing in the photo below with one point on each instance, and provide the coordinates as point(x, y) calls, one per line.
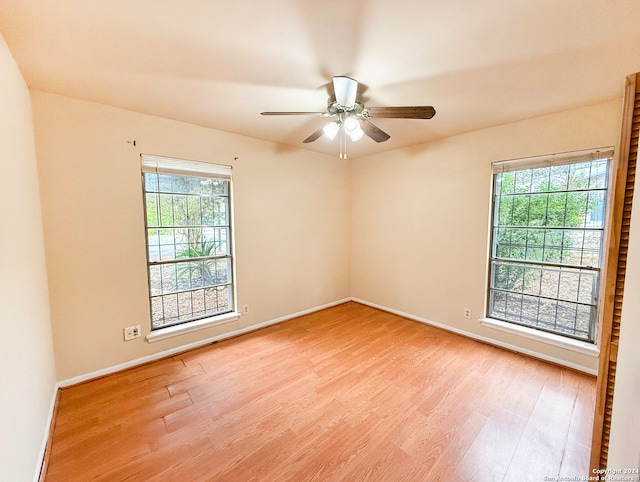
point(334, 108)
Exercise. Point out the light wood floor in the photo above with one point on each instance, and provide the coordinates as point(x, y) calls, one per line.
point(348, 393)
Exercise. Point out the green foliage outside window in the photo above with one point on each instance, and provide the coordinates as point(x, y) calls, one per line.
point(535, 210)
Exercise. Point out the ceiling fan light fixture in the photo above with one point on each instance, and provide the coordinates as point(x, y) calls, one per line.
point(331, 129)
point(352, 116)
point(353, 129)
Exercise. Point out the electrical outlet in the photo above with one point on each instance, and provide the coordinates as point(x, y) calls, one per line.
point(131, 332)
point(245, 310)
point(467, 313)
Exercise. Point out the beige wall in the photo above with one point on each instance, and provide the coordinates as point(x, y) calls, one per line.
point(27, 373)
point(420, 218)
point(415, 219)
point(291, 220)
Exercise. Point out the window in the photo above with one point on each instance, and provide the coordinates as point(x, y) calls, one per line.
point(189, 243)
point(547, 240)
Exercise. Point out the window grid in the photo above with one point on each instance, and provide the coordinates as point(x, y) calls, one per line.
point(189, 247)
point(547, 236)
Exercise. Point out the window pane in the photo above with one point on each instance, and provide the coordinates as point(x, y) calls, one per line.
point(166, 210)
point(157, 311)
point(538, 206)
point(165, 183)
point(189, 275)
point(223, 271)
point(198, 306)
point(155, 280)
point(522, 181)
point(218, 238)
point(505, 181)
point(179, 206)
point(180, 184)
point(167, 244)
point(185, 309)
point(550, 283)
point(207, 210)
point(592, 248)
point(220, 211)
point(535, 244)
point(153, 242)
point(599, 173)
point(547, 246)
point(498, 304)
point(579, 176)
point(170, 308)
point(540, 179)
point(169, 278)
point(153, 213)
point(558, 178)
point(220, 187)
point(189, 240)
point(193, 185)
point(194, 211)
point(218, 299)
point(595, 209)
point(150, 182)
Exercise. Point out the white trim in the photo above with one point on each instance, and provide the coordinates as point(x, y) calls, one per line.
point(180, 349)
point(577, 346)
point(490, 341)
point(175, 330)
point(47, 434)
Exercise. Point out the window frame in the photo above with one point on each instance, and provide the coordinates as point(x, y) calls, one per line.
point(159, 165)
point(586, 346)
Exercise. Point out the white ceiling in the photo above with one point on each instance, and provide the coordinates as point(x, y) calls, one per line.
point(220, 63)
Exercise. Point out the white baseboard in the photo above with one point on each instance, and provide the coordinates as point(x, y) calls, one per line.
point(483, 339)
point(174, 351)
point(47, 433)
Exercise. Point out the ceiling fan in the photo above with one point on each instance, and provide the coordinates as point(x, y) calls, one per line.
point(350, 117)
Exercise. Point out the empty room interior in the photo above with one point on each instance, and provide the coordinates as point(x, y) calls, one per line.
point(289, 240)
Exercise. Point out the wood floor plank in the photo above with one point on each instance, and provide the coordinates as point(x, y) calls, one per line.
point(575, 462)
point(347, 393)
point(579, 429)
point(450, 446)
point(489, 456)
point(541, 450)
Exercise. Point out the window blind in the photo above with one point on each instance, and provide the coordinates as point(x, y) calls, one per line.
point(180, 167)
point(552, 160)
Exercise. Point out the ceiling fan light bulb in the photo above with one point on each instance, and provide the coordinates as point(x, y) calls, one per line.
point(357, 134)
point(353, 129)
point(330, 130)
point(350, 125)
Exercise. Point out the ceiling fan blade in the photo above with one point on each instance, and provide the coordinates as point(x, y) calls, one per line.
point(413, 112)
point(316, 135)
point(346, 90)
point(373, 131)
point(293, 113)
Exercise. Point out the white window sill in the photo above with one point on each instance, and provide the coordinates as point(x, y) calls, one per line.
point(577, 346)
point(171, 331)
